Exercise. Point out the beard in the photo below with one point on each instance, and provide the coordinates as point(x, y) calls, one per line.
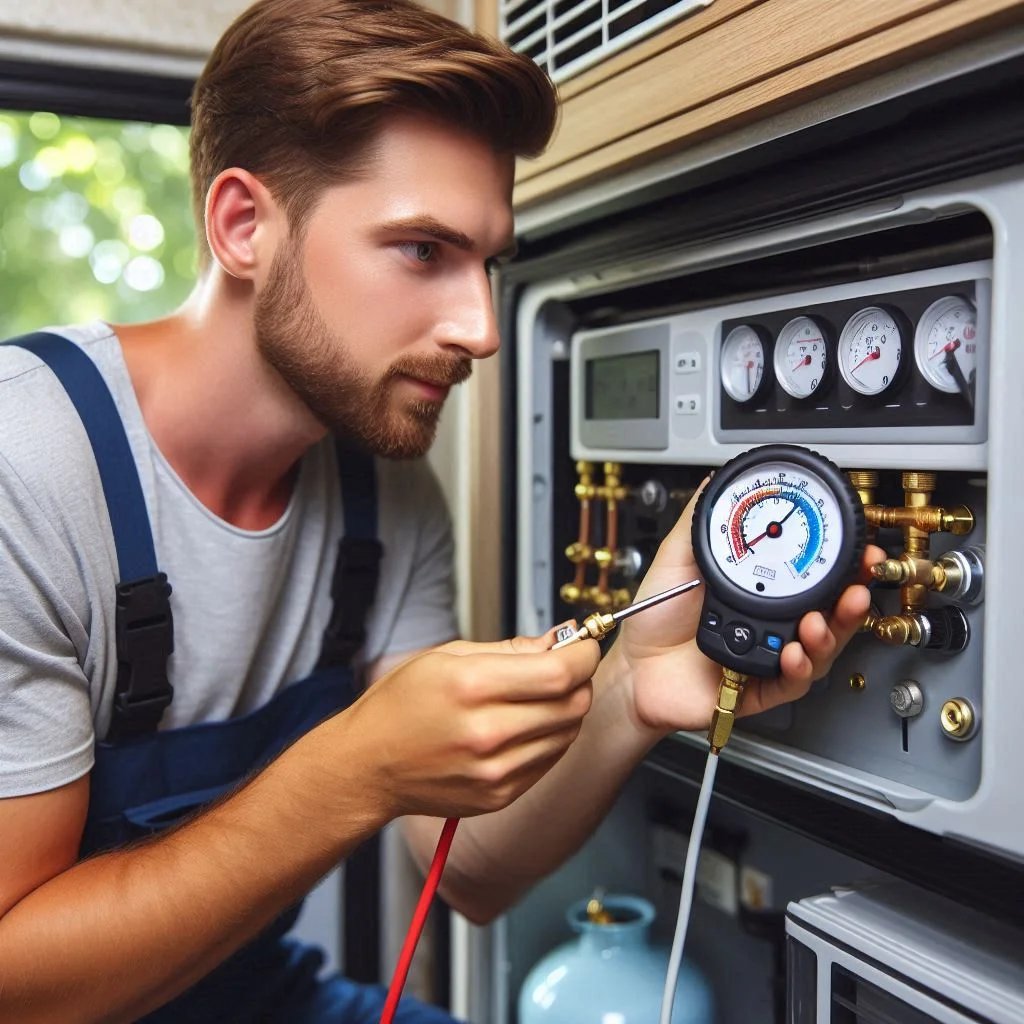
point(315, 363)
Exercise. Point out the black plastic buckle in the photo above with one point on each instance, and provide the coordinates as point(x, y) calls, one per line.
point(144, 630)
point(353, 590)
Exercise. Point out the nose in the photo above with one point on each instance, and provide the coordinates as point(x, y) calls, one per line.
point(468, 321)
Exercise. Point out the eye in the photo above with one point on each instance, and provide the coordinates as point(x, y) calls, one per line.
point(421, 252)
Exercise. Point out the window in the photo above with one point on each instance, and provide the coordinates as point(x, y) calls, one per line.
point(95, 220)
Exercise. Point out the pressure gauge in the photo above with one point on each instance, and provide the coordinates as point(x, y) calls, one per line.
point(871, 351)
point(777, 532)
point(801, 357)
point(946, 344)
point(743, 361)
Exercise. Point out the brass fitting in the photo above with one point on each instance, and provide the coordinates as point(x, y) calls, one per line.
point(953, 573)
point(578, 553)
point(899, 629)
point(958, 520)
point(598, 625)
point(730, 696)
point(864, 483)
point(957, 719)
point(621, 598)
point(570, 593)
point(603, 557)
point(584, 488)
point(612, 489)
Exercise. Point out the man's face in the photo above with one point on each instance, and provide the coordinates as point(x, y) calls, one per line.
point(384, 303)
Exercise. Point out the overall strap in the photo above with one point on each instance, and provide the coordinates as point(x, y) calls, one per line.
point(143, 625)
point(357, 569)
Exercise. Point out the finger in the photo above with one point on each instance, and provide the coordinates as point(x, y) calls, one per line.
point(872, 555)
point(505, 675)
point(508, 726)
point(763, 694)
point(513, 645)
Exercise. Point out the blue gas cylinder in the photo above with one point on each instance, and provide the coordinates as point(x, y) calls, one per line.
point(610, 974)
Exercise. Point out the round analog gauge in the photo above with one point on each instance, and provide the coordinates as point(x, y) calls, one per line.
point(778, 531)
point(870, 351)
point(743, 360)
point(801, 357)
point(946, 344)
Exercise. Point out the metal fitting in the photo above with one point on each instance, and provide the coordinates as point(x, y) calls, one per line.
point(906, 698)
point(958, 719)
point(730, 696)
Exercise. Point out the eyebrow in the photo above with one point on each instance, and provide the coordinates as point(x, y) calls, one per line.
point(427, 225)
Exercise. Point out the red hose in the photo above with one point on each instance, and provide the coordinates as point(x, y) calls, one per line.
point(419, 918)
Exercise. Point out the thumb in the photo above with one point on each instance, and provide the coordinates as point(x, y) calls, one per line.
point(513, 645)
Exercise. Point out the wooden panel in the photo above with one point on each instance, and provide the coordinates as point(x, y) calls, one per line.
point(693, 25)
point(695, 90)
point(486, 16)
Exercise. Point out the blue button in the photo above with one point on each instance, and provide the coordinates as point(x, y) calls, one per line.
point(773, 642)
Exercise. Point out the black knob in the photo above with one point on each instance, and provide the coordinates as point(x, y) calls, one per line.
point(947, 629)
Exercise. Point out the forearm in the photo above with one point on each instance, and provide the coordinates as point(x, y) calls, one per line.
point(159, 916)
point(496, 857)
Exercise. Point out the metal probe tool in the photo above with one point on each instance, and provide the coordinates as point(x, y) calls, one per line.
point(600, 624)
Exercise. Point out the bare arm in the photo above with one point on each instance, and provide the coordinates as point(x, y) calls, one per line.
point(160, 915)
point(654, 681)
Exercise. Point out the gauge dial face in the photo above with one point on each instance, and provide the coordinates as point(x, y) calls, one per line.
point(777, 530)
point(947, 335)
point(870, 351)
point(742, 363)
point(801, 357)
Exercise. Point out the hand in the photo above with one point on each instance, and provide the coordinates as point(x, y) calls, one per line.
point(674, 686)
point(467, 728)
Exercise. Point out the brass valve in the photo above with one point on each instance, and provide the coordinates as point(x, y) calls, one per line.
point(730, 696)
point(578, 553)
point(932, 629)
point(570, 593)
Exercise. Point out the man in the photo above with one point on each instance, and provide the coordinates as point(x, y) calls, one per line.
point(353, 165)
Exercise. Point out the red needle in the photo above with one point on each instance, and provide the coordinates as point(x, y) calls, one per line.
point(950, 346)
point(806, 361)
point(875, 353)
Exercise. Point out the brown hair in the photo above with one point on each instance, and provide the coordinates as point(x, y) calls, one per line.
point(296, 90)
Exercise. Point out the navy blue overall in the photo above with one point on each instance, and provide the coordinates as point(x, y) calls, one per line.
point(145, 781)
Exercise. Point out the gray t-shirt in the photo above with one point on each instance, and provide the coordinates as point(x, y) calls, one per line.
point(249, 607)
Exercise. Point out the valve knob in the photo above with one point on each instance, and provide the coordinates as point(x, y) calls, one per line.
point(653, 495)
point(945, 629)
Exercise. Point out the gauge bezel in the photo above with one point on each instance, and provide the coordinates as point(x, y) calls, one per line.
point(764, 336)
point(933, 314)
point(900, 375)
point(848, 557)
point(780, 350)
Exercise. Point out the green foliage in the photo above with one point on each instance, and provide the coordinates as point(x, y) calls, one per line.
point(95, 221)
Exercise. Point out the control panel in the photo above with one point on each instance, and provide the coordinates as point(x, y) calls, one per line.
point(897, 359)
point(633, 389)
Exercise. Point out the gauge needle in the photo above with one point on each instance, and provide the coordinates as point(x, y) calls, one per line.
point(875, 353)
point(750, 383)
point(806, 361)
point(950, 346)
point(958, 375)
point(773, 530)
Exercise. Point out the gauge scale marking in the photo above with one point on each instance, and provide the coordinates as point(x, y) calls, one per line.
point(777, 532)
point(775, 536)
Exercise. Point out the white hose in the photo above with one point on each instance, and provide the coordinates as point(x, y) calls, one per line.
point(689, 879)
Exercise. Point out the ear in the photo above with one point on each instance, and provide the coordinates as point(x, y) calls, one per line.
point(242, 223)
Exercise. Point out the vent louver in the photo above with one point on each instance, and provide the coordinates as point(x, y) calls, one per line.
point(566, 36)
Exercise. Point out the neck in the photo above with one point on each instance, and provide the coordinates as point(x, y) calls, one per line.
point(225, 421)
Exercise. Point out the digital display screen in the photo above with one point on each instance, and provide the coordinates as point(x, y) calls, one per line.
point(623, 387)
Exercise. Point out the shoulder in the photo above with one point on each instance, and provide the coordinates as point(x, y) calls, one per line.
point(45, 455)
